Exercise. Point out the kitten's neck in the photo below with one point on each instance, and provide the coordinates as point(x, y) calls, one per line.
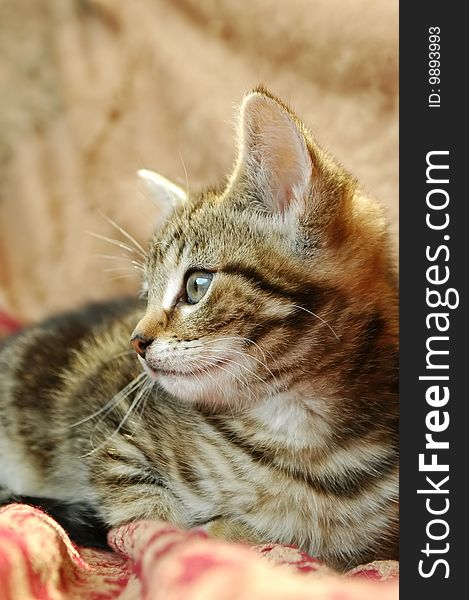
point(291, 418)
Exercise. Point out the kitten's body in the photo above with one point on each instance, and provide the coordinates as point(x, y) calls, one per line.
point(274, 411)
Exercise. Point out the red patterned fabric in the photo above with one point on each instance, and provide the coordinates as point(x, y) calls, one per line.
point(155, 561)
point(8, 324)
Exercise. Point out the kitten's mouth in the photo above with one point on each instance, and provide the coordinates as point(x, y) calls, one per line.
point(195, 372)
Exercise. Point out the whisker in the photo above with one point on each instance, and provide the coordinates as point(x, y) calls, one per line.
point(185, 173)
point(318, 317)
point(127, 276)
point(124, 233)
point(260, 362)
point(258, 347)
point(111, 407)
point(238, 351)
point(122, 257)
point(123, 393)
point(205, 370)
point(145, 399)
point(222, 390)
point(234, 362)
point(250, 356)
point(129, 269)
point(114, 242)
point(241, 339)
point(138, 397)
point(208, 363)
point(201, 363)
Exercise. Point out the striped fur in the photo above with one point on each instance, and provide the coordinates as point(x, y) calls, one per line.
point(266, 411)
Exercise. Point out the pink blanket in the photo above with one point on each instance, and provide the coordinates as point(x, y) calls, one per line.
point(153, 560)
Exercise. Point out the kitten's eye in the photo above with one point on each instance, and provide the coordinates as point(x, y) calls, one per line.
point(197, 285)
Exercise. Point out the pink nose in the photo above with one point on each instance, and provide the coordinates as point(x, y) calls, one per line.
point(140, 344)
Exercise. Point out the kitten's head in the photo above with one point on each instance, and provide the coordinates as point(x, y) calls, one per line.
point(266, 283)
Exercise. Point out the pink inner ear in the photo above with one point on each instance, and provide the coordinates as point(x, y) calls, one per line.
point(275, 154)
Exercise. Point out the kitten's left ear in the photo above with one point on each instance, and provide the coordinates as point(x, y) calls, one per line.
point(164, 193)
point(274, 163)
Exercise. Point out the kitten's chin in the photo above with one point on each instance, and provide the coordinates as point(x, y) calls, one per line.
point(200, 386)
point(188, 390)
point(198, 389)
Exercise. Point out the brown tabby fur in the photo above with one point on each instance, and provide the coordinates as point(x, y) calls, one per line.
point(271, 408)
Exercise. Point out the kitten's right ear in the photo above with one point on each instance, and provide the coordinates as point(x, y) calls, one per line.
point(274, 166)
point(165, 194)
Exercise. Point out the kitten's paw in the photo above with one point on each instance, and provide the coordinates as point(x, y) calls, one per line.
point(232, 531)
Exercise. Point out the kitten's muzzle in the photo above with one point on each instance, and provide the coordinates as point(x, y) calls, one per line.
point(140, 343)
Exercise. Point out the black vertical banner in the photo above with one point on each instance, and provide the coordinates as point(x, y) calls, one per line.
point(434, 268)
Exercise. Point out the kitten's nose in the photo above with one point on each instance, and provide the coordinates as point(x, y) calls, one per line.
point(140, 343)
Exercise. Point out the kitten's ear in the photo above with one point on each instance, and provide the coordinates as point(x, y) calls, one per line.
point(162, 192)
point(274, 163)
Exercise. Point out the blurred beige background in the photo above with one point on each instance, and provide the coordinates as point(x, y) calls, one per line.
point(92, 90)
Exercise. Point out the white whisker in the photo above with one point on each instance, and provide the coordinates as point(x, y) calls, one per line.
point(249, 356)
point(241, 339)
point(318, 317)
point(114, 242)
point(138, 397)
point(145, 399)
point(129, 269)
point(205, 371)
point(122, 257)
point(259, 348)
point(124, 233)
point(208, 364)
point(117, 277)
point(238, 364)
point(185, 173)
point(141, 389)
point(123, 393)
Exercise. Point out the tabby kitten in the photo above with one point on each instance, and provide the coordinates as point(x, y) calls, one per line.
point(261, 399)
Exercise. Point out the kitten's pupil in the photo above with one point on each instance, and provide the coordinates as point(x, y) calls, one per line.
point(197, 285)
